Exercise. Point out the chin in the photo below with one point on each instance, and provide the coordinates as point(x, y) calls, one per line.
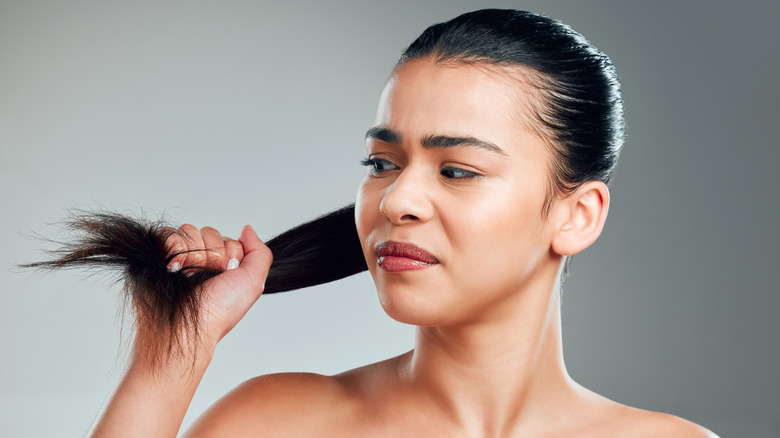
point(415, 307)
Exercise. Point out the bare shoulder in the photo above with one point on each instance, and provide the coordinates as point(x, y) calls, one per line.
point(660, 424)
point(641, 423)
point(289, 404)
point(605, 417)
point(295, 404)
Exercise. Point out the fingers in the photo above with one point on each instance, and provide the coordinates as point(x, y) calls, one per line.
point(193, 241)
point(203, 248)
point(251, 242)
point(177, 243)
point(257, 257)
point(214, 254)
point(234, 252)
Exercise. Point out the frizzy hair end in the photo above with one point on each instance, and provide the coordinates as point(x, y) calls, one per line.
point(166, 304)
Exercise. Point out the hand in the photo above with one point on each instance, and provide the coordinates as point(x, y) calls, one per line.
point(152, 400)
point(227, 297)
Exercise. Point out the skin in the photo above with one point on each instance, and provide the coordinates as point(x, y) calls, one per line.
point(488, 358)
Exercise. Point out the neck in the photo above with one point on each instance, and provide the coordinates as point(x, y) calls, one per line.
point(491, 376)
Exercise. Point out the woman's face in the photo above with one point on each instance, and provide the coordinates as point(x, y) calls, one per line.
point(449, 213)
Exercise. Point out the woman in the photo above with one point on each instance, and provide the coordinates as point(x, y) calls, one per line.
point(494, 139)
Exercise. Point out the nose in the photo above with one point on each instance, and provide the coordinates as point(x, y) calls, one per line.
point(407, 200)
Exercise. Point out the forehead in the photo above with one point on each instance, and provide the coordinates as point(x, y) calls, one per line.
point(493, 103)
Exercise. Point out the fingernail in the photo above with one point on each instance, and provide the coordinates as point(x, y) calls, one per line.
point(174, 267)
point(232, 263)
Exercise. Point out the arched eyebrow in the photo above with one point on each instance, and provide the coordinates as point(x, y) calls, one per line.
point(384, 134)
point(388, 135)
point(444, 141)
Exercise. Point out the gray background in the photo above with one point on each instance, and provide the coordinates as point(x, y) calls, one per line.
point(234, 112)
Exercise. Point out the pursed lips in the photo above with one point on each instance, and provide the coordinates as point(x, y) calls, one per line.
point(402, 256)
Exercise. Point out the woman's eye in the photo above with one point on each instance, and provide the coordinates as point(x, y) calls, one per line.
point(455, 173)
point(378, 165)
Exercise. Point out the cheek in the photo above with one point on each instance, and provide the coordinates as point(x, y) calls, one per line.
point(366, 214)
point(500, 231)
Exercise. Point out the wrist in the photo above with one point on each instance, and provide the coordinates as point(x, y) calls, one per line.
point(176, 357)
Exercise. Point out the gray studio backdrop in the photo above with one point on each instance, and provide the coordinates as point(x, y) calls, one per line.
point(234, 112)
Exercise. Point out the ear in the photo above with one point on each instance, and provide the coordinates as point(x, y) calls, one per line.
point(579, 218)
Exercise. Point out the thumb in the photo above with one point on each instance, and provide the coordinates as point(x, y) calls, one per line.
point(257, 257)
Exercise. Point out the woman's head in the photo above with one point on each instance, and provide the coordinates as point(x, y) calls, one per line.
point(578, 110)
point(457, 184)
point(478, 129)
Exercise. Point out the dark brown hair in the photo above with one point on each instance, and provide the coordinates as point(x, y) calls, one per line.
point(166, 304)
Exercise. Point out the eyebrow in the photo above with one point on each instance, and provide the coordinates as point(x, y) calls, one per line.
point(387, 135)
point(384, 134)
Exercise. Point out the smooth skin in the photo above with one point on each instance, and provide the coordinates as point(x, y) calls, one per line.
point(488, 358)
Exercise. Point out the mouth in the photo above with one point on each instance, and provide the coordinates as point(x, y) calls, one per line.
point(401, 256)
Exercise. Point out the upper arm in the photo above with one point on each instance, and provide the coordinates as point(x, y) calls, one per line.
point(291, 404)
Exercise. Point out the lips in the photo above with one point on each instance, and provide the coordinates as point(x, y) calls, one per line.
point(401, 256)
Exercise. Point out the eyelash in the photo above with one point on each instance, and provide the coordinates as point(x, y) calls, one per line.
point(378, 166)
point(375, 163)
